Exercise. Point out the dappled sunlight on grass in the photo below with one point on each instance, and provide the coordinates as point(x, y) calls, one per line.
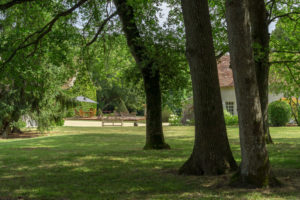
point(109, 163)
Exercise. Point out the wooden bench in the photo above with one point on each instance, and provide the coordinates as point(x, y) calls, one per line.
point(111, 121)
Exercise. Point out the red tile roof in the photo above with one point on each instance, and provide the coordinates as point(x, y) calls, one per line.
point(224, 72)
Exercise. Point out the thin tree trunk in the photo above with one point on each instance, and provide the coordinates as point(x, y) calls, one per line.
point(99, 112)
point(154, 137)
point(260, 42)
point(255, 169)
point(154, 131)
point(211, 153)
point(294, 108)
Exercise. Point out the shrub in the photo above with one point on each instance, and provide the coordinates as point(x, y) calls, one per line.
point(165, 114)
point(175, 120)
point(121, 108)
point(279, 113)
point(60, 122)
point(19, 124)
point(230, 119)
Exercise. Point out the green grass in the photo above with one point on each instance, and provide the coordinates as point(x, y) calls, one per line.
point(109, 163)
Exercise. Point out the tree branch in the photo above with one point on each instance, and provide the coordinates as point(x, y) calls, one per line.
point(42, 32)
point(101, 28)
point(283, 15)
point(272, 2)
point(12, 3)
point(292, 75)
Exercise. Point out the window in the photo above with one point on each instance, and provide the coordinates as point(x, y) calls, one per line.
point(230, 107)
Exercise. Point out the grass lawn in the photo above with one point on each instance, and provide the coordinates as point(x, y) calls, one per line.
point(109, 163)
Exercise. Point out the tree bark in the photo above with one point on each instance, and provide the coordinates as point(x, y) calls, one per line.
point(150, 72)
point(255, 169)
point(99, 111)
point(5, 129)
point(211, 154)
point(260, 42)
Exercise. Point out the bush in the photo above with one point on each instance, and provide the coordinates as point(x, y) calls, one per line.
point(60, 122)
point(230, 119)
point(121, 108)
point(165, 114)
point(175, 120)
point(279, 113)
point(19, 124)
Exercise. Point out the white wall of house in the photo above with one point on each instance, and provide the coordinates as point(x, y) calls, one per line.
point(229, 99)
point(228, 95)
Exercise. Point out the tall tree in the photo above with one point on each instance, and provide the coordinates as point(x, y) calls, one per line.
point(285, 60)
point(260, 43)
point(211, 153)
point(32, 84)
point(255, 169)
point(151, 76)
point(262, 14)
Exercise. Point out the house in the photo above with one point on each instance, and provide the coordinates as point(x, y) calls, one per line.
point(227, 86)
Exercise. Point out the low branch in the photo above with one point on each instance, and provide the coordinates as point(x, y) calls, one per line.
point(42, 32)
point(101, 28)
point(283, 15)
point(272, 2)
point(7, 5)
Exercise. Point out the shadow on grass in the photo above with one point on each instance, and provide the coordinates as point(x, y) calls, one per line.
point(114, 166)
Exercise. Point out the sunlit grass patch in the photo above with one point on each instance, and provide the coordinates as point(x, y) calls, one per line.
point(109, 163)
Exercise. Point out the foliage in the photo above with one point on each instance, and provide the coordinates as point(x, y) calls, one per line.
point(31, 82)
point(279, 113)
point(19, 124)
point(294, 103)
point(285, 70)
point(121, 108)
point(175, 120)
point(109, 63)
point(83, 86)
point(230, 119)
point(60, 122)
point(165, 114)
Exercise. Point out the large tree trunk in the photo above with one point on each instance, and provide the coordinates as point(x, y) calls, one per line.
point(211, 153)
point(154, 131)
point(255, 169)
point(5, 129)
point(260, 42)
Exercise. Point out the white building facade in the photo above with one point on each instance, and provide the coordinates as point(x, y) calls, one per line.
point(227, 86)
